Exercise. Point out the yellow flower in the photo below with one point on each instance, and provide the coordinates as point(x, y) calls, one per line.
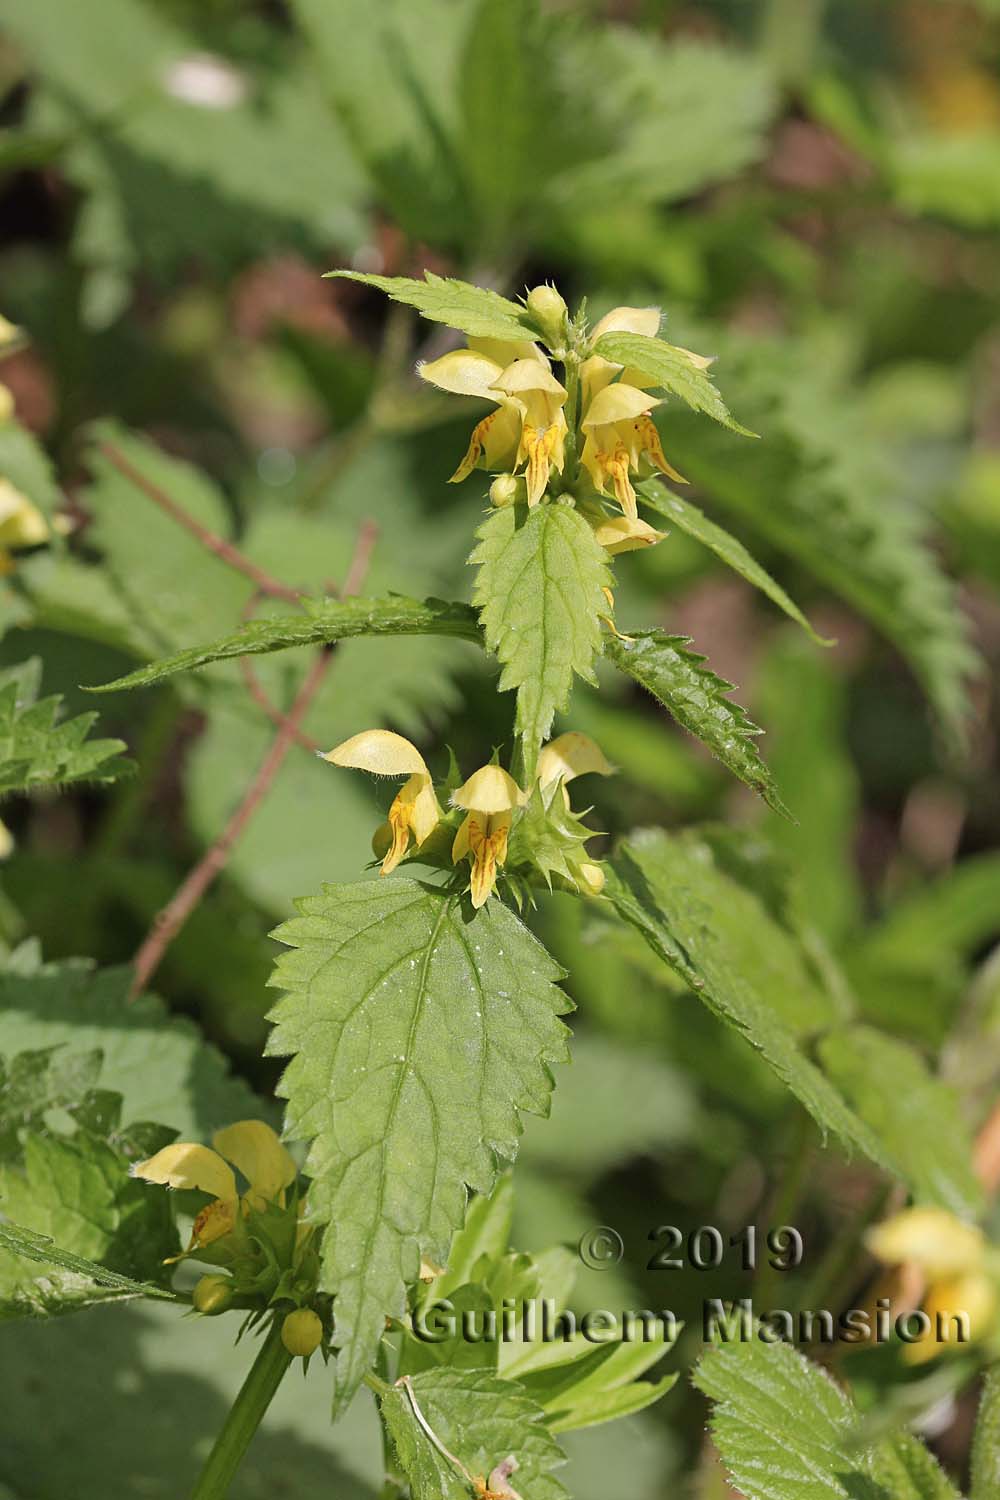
point(528, 428)
point(6, 404)
point(21, 524)
point(618, 430)
point(951, 1256)
point(489, 797)
point(931, 1238)
point(252, 1147)
point(570, 755)
point(561, 761)
point(415, 811)
point(623, 534)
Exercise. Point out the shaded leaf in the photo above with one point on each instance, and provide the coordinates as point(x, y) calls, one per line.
point(986, 1443)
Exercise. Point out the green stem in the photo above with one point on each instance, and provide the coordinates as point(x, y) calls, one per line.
point(244, 1417)
point(572, 369)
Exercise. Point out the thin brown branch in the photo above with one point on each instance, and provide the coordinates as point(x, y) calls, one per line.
point(217, 544)
point(171, 919)
point(363, 547)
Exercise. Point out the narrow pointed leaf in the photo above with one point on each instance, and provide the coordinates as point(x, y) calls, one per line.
point(441, 299)
point(87, 1281)
point(325, 622)
point(418, 1030)
point(720, 939)
point(671, 368)
point(694, 696)
point(725, 546)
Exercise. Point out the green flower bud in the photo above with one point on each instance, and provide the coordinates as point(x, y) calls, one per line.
point(212, 1295)
point(302, 1332)
point(503, 490)
point(550, 313)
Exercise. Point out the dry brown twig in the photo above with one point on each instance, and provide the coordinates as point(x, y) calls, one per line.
point(171, 918)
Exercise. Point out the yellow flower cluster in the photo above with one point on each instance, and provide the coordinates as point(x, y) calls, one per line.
point(527, 432)
point(489, 799)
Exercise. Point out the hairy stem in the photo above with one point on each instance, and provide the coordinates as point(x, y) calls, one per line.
point(244, 1417)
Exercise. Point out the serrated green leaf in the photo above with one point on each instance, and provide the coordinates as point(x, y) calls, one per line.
point(673, 370)
point(917, 1120)
point(725, 546)
point(413, 1052)
point(786, 1431)
point(539, 593)
point(481, 1421)
point(325, 622)
point(36, 750)
point(986, 1442)
point(694, 696)
point(723, 943)
point(85, 1283)
point(72, 1205)
point(441, 299)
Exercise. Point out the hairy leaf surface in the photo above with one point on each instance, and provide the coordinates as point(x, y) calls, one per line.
point(539, 591)
point(786, 1431)
point(69, 1282)
point(326, 621)
point(694, 696)
point(986, 1443)
point(418, 1030)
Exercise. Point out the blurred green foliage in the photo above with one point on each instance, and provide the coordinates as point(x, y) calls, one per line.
point(812, 192)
